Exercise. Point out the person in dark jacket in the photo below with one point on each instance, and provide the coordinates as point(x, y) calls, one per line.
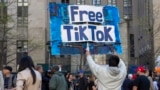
point(127, 84)
point(70, 82)
point(76, 82)
point(58, 81)
point(83, 82)
point(9, 78)
point(141, 82)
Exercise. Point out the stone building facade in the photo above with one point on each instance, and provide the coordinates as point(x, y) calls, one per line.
point(156, 21)
point(135, 28)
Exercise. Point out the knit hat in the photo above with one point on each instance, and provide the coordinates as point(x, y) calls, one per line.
point(81, 71)
point(141, 69)
point(55, 67)
point(8, 68)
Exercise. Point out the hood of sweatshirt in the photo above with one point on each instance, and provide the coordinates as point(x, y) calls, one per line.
point(114, 71)
point(59, 73)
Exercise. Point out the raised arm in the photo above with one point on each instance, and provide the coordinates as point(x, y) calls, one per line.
point(93, 66)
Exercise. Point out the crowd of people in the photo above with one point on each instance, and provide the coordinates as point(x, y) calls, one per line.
point(143, 79)
point(30, 77)
point(111, 76)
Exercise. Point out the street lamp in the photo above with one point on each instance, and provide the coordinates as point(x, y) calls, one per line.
point(49, 53)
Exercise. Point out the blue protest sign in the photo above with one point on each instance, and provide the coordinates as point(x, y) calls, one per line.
point(70, 26)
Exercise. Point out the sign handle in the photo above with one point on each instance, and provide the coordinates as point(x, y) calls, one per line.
point(87, 47)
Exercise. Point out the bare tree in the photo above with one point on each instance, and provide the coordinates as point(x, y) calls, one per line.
point(9, 34)
point(156, 31)
point(4, 31)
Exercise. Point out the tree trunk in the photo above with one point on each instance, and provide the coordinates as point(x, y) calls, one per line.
point(1, 55)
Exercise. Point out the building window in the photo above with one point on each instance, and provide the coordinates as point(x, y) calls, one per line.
point(65, 1)
point(22, 49)
point(22, 13)
point(4, 1)
point(127, 9)
point(96, 2)
point(22, 2)
point(127, 3)
point(132, 47)
point(22, 19)
point(80, 1)
point(112, 2)
point(22, 9)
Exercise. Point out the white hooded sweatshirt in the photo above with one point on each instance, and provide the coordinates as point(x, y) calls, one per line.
point(109, 78)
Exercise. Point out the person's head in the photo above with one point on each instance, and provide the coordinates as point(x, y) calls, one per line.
point(113, 61)
point(140, 70)
point(27, 62)
point(81, 73)
point(39, 68)
point(48, 73)
point(54, 68)
point(70, 77)
point(130, 76)
point(7, 70)
point(157, 71)
point(92, 78)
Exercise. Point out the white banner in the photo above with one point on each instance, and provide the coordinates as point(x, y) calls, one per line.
point(83, 33)
point(84, 13)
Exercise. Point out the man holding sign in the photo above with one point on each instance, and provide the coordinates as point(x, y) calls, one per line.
point(111, 76)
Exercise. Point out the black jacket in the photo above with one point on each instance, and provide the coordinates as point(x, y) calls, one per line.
point(45, 83)
point(83, 83)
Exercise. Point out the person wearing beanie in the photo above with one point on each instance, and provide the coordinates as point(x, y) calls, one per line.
point(57, 81)
point(141, 82)
point(83, 82)
point(9, 78)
